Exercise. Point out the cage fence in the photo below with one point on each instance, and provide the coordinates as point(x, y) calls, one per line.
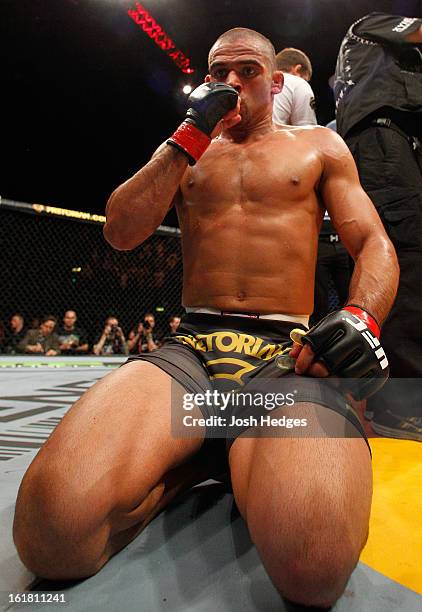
point(53, 260)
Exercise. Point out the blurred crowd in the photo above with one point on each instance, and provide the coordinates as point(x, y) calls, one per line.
point(50, 337)
point(154, 264)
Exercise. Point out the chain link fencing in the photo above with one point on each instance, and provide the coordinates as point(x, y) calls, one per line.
point(53, 260)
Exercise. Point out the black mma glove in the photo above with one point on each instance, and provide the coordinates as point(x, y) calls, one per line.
point(208, 104)
point(346, 342)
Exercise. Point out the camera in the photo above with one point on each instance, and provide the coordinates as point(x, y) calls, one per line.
point(113, 329)
point(147, 325)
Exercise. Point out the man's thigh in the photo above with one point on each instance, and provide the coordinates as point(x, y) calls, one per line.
point(298, 493)
point(116, 442)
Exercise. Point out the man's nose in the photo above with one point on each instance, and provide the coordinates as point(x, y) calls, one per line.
point(233, 80)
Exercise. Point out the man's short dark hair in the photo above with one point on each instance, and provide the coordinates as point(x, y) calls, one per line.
point(290, 57)
point(243, 33)
point(48, 318)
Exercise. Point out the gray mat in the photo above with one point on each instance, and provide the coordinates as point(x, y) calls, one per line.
point(196, 556)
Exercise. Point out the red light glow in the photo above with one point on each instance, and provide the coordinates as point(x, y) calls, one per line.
point(148, 24)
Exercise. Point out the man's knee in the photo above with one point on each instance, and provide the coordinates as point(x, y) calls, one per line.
point(314, 577)
point(309, 562)
point(52, 524)
point(66, 527)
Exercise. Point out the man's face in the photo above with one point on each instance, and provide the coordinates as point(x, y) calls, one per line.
point(112, 322)
point(69, 319)
point(47, 327)
point(174, 323)
point(150, 320)
point(15, 322)
point(245, 64)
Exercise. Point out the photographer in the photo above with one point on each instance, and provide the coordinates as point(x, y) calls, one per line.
point(142, 340)
point(112, 340)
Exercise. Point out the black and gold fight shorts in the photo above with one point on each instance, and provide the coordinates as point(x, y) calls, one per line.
point(232, 353)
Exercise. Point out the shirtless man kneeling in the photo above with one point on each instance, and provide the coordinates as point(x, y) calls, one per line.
point(250, 210)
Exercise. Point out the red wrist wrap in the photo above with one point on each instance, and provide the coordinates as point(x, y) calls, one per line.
point(366, 317)
point(191, 140)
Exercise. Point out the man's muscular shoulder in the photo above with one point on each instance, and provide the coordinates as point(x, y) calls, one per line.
point(313, 135)
point(333, 149)
point(298, 130)
point(325, 137)
point(329, 146)
point(321, 141)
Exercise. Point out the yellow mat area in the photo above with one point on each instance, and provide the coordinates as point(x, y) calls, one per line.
point(394, 547)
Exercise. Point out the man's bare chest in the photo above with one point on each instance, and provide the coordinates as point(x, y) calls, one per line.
point(252, 173)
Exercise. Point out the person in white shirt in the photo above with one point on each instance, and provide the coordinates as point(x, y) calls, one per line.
point(295, 105)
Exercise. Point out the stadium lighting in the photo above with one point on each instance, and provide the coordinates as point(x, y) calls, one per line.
point(187, 89)
point(147, 23)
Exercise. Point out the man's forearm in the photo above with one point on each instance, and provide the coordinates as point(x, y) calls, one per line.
point(83, 348)
point(150, 342)
point(131, 343)
point(138, 206)
point(374, 282)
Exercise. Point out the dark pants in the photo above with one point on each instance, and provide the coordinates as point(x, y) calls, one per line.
point(390, 174)
point(332, 270)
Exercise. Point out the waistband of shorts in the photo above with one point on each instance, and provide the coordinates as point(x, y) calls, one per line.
point(300, 319)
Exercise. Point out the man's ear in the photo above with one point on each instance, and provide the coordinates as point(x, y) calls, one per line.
point(297, 70)
point(277, 82)
point(207, 79)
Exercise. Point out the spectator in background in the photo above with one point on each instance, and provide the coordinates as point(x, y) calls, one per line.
point(73, 340)
point(174, 323)
point(173, 326)
point(295, 104)
point(35, 323)
point(14, 334)
point(142, 340)
point(42, 341)
point(112, 340)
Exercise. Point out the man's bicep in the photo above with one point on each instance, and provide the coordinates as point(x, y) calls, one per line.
point(351, 210)
point(355, 219)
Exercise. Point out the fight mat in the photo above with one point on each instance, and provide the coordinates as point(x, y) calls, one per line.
point(197, 555)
